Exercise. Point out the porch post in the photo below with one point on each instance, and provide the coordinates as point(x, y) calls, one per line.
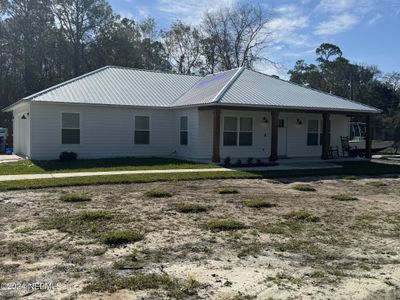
point(325, 134)
point(274, 135)
point(368, 138)
point(216, 134)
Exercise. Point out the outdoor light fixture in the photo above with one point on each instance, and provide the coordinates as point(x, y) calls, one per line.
point(23, 117)
point(265, 120)
point(299, 122)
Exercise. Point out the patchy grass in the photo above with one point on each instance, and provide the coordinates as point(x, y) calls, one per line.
point(227, 190)
point(75, 198)
point(190, 208)
point(280, 278)
point(304, 188)
point(259, 203)
point(121, 237)
point(342, 197)
point(158, 193)
point(94, 215)
point(99, 165)
point(175, 288)
point(349, 177)
point(25, 229)
point(302, 216)
point(225, 225)
point(377, 184)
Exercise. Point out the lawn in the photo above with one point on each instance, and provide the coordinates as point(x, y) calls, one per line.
point(98, 165)
point(266, 241)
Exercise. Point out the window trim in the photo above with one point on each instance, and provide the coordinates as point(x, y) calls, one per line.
point(80, 127)
point(181, 130)
point(313, 132)
point(238, 131)
point(134, 129)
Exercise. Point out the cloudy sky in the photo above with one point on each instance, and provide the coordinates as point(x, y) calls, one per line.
point(367, 31)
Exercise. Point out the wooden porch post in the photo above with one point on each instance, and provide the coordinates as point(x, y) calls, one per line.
point(216, 134)
point(274, 135)
point(326, 137)
point(368, 138)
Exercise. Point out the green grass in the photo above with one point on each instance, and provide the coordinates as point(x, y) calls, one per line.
point(259, 203)
point(359, 168)
point(158, 193)
point(344, 198)
point(302, 215)
point(97, 165)
point(227, 190)
point(225, 225)
point(376, 184)
point(190, 208)
point(304, 188)
point(75, 198)
point(121, 237)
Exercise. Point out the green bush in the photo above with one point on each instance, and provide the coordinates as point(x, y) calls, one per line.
point(95, 215)
point(302, 216)
point(376, 184)
point(121, 237)
point(349, 177)
point(259, 203)
point(227, 190)
point(190, 208)
point(304, 188)
point(344, 198)
point(75, 198)
point(225, 225)
point(68, 156)
point(158, 193)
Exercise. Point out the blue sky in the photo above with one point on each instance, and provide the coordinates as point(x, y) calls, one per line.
point(367, 31)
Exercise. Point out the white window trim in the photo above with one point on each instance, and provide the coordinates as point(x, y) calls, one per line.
point(318, 133)
point(187, 131)
point(134, 130)
point(238, 131)
point(80, 128)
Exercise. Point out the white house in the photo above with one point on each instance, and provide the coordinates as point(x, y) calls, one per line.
point(121, 112)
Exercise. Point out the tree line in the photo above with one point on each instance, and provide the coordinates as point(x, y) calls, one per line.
point(45, 42)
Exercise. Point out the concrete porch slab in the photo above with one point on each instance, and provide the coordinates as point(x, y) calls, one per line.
point(9, 158)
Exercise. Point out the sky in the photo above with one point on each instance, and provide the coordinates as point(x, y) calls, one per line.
point(367, 31)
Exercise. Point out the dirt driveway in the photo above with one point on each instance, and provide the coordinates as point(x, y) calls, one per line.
point(341, 241)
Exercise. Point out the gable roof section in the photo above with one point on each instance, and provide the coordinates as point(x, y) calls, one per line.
point(120, 86)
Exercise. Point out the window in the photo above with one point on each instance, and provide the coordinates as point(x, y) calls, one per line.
point(281, 123)
point(184, 131)
point(70, 129)
point(238, 131)
point(142, 130)
point(312, 134)
point(246, 132)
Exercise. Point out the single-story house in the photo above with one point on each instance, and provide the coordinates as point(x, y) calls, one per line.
point(240, 113)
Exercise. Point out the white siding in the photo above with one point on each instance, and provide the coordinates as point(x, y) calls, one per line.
point(189, 150)
point(105, 131)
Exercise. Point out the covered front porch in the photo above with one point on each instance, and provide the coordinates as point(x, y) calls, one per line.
point(242, 133)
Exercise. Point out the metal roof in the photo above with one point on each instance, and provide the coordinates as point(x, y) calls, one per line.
point(254, 88)
point(237, 87)
point(120, 86)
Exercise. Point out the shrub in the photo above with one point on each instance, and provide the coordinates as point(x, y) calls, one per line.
point(239, 162)
point(259, 203)
point(225, 225)
point(227, 190)
point(304, 188)
point(344, 198)
point(190, 208)
point(158, 193)
point(349, 177)
point(376, 183)
point(121, 237)
point(250, 161)
point(227, 161)
point(75, 198)
point(94, 215)
point(68, 156)
point(302, 216)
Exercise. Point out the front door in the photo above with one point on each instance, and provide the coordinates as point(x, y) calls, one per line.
point(282, 137)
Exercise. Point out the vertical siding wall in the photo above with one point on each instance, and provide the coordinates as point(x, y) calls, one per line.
point(296, 135)
point(105, 131)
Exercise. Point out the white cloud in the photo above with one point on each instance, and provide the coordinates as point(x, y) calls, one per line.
point(336, 24)
point(375, 19)
point(335, 6)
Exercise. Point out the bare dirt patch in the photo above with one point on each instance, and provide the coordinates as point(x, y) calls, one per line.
point(306, 245)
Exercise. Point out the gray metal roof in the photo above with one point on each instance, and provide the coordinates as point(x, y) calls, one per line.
point(239, 87)
point(120, 86)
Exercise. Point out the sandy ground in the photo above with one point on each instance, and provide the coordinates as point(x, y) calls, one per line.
point(351, 252)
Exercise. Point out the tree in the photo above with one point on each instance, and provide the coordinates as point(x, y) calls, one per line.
point(325, 51)
point(182, 44)
point(236, 36)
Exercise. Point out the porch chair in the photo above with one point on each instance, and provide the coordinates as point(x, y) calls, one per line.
point(345, 146)
point(333, 152)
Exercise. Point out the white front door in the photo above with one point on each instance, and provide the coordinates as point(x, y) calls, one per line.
point(282, 137)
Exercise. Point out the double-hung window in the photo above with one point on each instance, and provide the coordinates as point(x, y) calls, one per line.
point(142, 130)
point(70, 129)
point(312, 133)
point(184, 131)
point(238, 131)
